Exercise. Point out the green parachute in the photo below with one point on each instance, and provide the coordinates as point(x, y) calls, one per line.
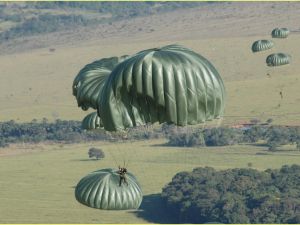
point(101, 189)
point(172, 84)
point(280, 33)
point(278, 59)
point(88, 83)
point(91, 121)
point(262, 45)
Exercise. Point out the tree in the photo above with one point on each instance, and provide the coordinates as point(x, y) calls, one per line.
point(254, 134)
point(186, 139)
point(222, 136)
point(97, 153)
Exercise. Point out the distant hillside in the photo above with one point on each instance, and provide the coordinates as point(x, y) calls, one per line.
point(19, 19)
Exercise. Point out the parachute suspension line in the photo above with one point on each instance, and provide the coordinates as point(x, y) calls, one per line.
point(126, 155)
point(185, 152)
point(113, 157)
point(123, 152)
point(116, 154)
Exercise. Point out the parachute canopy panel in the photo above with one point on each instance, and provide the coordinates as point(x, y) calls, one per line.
point(87, 85)
point(91, 121)
point(262, 45)
point(280, 33)
point(278, 59)
point(101, 190)
point(172, 84)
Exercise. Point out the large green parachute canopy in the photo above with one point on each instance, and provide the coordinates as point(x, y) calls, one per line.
point(280, 33)
point(262, 45)
point(172, 84)
point(87, 85)
point(100, 189)
point(91, 121)
point(278, 59)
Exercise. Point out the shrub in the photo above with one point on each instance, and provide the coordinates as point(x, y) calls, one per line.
point(186, 139)
point(96, 152)
point(222, 136)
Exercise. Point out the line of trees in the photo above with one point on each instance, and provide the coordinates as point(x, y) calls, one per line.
point(34, 132)
point(235, 196)
point(273, 136)
point(71, 131)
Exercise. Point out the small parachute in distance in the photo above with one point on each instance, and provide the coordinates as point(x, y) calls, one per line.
point(171, 84)
point(101, 190)
point(91, 122)
point(87, 85)
point(262, 45)
point(280, 33)
point(278, 59)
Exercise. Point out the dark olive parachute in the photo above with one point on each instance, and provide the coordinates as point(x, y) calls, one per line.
point(280, 33)
point(262, 45)
point(91, 121)
point(87, 85)
point(172, 84)
point(278, 59)
point(100, 189)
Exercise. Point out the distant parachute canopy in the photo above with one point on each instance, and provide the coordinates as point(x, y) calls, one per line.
point(91, 121)
point(172, 84)
point(87, 85)
point(100, 189)
point(278, 59)
point(280, 33)
point(262, 45)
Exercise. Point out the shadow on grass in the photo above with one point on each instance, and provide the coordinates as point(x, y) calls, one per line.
point(153, 210)
point(87, 160)
point(257, 144)
point(162, 145)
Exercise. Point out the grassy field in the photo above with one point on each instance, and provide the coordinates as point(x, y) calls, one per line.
point(37, 83)
point(42, 82)
point(38, 187)
point(37, 181)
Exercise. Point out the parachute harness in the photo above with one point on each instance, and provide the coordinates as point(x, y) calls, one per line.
point(122, 173)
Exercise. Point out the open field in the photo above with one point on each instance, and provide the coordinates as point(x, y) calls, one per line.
point(36, 83)
point(38, 187)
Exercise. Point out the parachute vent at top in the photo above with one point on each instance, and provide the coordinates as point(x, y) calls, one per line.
point(171, 84)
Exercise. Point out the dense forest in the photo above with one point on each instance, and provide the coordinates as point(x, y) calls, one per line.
point(235, 196)
point(20, 19)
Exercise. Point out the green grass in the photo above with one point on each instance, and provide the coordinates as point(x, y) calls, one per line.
point(38, 187)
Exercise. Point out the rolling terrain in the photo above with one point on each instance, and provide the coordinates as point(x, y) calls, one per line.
point(37, 181)
point(36, 82)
